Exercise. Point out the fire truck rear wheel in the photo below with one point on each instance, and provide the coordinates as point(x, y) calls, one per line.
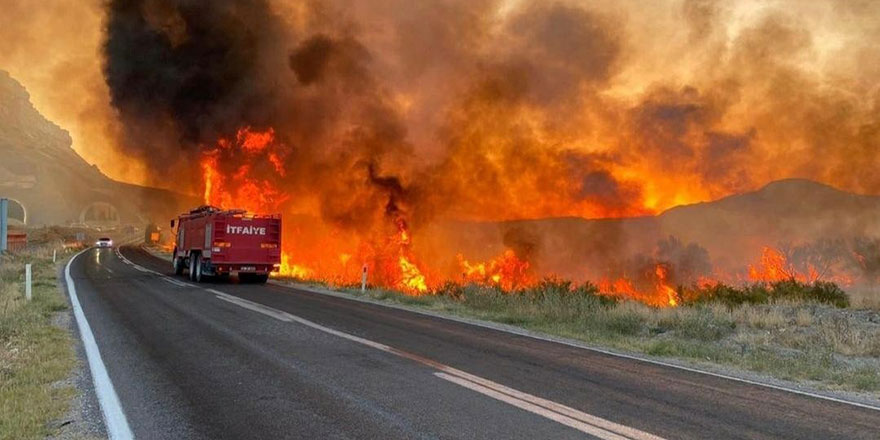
point(198, 277)
point(193, 263)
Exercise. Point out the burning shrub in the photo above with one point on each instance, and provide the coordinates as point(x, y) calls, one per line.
point(865, 257)
point(691, 261)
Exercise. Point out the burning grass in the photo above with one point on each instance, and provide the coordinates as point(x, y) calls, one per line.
point(34, 354)
point(788, 330)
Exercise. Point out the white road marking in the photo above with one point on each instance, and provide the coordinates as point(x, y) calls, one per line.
point(173, 281)
point(114, 416)
point(552, 406)
point(587, 423)
point(145, 270)
point(535, 409)
point(281, 316)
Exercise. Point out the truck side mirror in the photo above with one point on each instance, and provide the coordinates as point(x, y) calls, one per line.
point(172, 224)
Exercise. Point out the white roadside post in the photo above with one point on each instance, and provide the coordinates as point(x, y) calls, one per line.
point(364, 279)
point(4, 211)
point(27, 281)
point(53, 254)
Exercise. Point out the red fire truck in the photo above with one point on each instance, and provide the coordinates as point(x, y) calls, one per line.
point(216, 242)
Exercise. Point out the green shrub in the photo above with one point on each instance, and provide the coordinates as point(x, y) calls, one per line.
point(731, 296)
point(761, 293)
point(819, 291)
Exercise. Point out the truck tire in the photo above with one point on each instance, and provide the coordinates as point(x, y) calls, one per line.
point(193, 263)
point(178, 266)
point(198, 277)
point(261, 279)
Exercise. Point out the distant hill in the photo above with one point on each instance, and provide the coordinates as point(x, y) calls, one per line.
point(43, 175)
point(793, 210)
point(733, 229)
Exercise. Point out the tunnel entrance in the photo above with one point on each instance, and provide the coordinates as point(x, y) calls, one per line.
point(17, 213)
point(100, 214)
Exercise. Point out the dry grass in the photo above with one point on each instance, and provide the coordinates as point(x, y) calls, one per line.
point(803, 318)
point(865, 297)
point(34, 354)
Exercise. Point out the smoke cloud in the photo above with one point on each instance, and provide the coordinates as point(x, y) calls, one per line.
point(518, 109)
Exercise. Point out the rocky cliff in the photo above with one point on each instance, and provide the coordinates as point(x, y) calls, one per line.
point(51, 184)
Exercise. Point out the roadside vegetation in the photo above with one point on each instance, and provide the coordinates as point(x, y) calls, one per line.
point(35, 355)
point(787, 330)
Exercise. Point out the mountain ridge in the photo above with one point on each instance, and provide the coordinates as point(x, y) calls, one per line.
point(42, 173)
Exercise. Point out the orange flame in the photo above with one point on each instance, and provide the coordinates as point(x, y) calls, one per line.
point(671, 295)
point(506, 271)
point(228, 173)
point(662, 295)
point(293, 270)
point(411, 279)
point(774, 266)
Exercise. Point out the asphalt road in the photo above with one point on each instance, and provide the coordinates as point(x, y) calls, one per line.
point(247, 361)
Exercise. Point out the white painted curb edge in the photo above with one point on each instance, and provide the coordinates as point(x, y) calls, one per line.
point(114, 416)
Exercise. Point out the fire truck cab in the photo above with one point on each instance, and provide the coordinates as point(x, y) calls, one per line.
point(212, 242)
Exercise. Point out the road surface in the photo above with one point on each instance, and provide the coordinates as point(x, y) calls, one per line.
point(247, 361)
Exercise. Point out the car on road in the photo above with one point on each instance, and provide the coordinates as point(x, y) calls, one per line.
point(104, 242)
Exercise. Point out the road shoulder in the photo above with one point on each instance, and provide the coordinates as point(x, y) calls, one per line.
point(83, 419)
